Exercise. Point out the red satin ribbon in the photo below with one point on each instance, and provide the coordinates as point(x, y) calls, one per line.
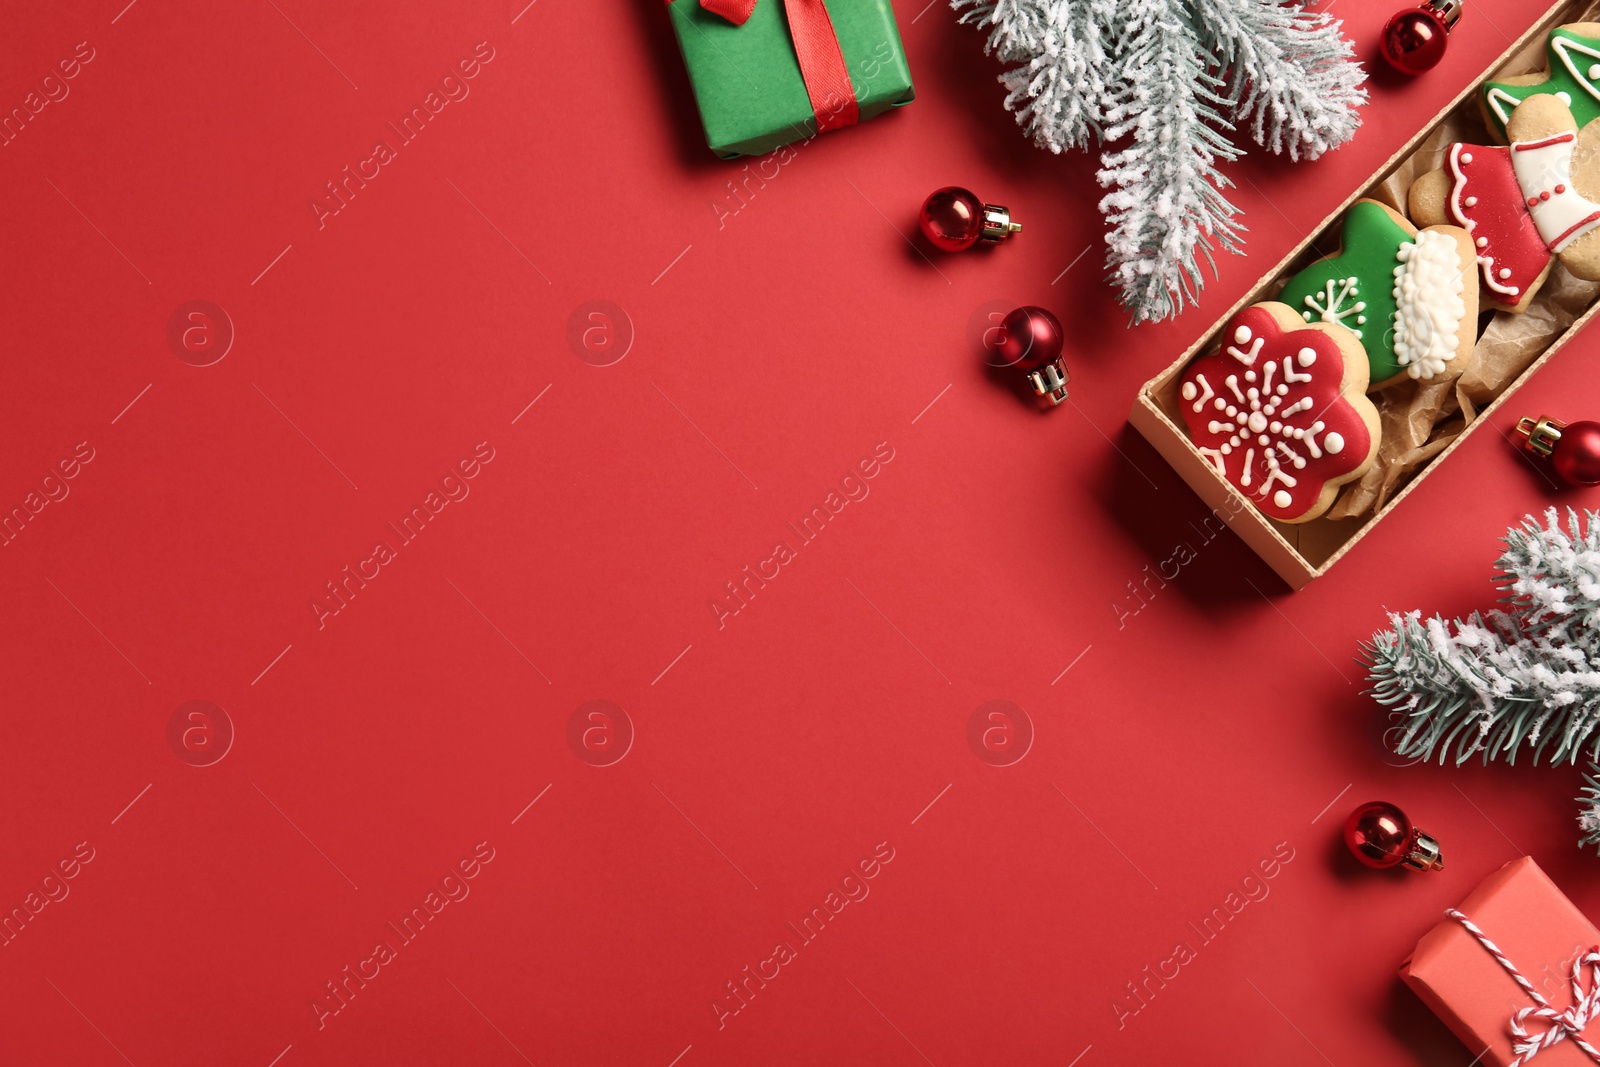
point(735, 11)
point(816, 45)
point(833, 98)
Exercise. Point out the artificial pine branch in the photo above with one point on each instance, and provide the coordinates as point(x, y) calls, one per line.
point(1589, 808)
point(1059, 94)
point(1175, 76)
point(1527, 678)
point(1165, 204)
point(1291, 75)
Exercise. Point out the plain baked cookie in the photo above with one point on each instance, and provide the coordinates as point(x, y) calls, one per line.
point(1280, 410)
point(1406, 294)
point(1523, 205)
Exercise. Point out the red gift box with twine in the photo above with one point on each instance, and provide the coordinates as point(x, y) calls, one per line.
point(1514, 972)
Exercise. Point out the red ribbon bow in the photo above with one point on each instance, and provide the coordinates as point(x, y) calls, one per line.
point(735, 11)
point(816, 45)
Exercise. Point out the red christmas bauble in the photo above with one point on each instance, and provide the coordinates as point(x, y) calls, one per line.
point(1577, 455)
point(951, 218)
point(1414, 40)
point(1379, 834)
point(1029, 338)
point(1572, 448)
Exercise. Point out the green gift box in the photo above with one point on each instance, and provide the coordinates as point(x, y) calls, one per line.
point(748, 82)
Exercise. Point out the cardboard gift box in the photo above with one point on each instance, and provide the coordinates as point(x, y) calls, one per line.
point(1303, 551)
point(1539, 931)
point(767, 73)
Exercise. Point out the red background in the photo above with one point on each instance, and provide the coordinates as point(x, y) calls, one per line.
point(772, 349)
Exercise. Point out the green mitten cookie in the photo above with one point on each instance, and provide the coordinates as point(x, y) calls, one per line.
point(1405, 294)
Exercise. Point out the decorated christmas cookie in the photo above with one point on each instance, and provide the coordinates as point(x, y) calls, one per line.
point(1525, 205)
point(1573, 75)
point(1405, 294)
point(1280, 410)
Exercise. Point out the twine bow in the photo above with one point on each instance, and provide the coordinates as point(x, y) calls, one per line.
point(1557, 1026)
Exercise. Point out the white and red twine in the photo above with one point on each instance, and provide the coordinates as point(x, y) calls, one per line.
point(1559, 1026)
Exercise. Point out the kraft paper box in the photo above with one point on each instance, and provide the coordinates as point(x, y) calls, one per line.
point(1303, 551)
point(1538, 929)
point(747, 78)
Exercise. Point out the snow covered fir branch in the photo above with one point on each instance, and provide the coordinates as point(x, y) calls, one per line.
point(1524, 679)
point(1589, 808)
point(1164, 86)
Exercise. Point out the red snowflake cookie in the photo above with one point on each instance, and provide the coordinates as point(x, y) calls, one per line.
point(1280, 410)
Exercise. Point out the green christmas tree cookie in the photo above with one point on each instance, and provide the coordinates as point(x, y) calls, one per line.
point(1409, 296)
point(1573, 58)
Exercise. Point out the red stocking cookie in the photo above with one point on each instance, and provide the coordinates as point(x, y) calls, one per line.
point(1280, 410)
point(1526, 205)
point(1486, 196)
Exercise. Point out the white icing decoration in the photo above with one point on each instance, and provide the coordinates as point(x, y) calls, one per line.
point(1565, 97)
point(1309, 437)
point(1429, 305)
point(1543, 167)
point(1192, 392)
point(1564, 48)
point(1241, 336)
point(1501, 103)
point(1505, 272)
point(1333, 307)
point(1334, 443)
point(1466, 157)
point(1282, 499)
point(1471, 201)
point(1275, 473)
point(1307, 356)
point(1483, 242)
